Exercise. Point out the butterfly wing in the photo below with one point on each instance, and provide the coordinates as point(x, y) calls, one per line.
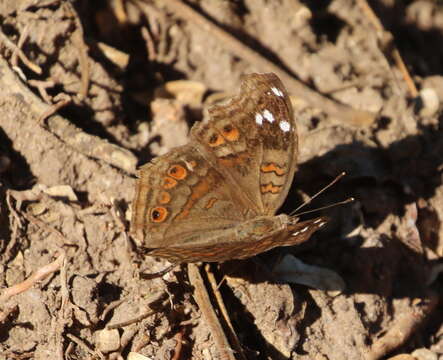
point(253, 142)
point(294, 233)
point(182, 199)
point(192, 202)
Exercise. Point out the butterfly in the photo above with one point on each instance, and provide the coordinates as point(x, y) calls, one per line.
point(215, 199)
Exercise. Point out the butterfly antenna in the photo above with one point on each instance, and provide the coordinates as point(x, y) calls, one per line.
point(347, 201)
point(322, 191)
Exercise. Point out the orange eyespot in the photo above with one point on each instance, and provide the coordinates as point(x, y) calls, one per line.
point(169, 183)
point(177, 172)
point(158, 214)
point(164, 197)
point(216, 140)
point(230, 133)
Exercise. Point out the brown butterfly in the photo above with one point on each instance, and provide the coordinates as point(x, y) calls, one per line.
point(215, 198)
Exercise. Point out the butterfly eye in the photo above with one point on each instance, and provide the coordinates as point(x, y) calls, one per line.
point(230, 133)
point(177, 172)
point(159, 214)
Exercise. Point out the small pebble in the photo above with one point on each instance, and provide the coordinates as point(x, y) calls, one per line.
point(136, 356)
point(108, 340)
point(293, 270)
point(402, 357)
point(428, 102)
point(424, 354)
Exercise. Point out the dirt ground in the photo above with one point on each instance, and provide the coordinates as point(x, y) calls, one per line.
point(89, 90)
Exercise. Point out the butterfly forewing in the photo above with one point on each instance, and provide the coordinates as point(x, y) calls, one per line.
point(252, 140)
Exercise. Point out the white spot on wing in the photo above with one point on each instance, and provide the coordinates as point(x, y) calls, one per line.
point(304, 229)
point(322, 224)
point(189, 166)
point(317, 221)
point(285, 126)
point(277, 91)
point(259, 119)
point(268, 116)
point(296, 233)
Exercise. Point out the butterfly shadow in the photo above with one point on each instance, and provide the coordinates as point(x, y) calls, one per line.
point(382, 258)
point(377, 260)
point(385, 183)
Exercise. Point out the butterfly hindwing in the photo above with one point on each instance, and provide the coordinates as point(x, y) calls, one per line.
point(181, 196)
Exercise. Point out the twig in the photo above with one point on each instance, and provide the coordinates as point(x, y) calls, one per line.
point(11, 194)
point(158, 29)
point(12, 356)
point(157, 274)
point(85, 347)
point(127, 337)
point(69, 350)
point(15, 49)
point(403, 327)
point(20, 43)
point(131, 321)
point(64, 286)
point(296, 87)
point(32, 280)
point(150, 47)
point(387, 40)
point(210, 317)
point(178, 348)
point(65, 100)
point(63, 312)
point(111, 307)
point(96, 208)
point(224, 312)
point(117, 57)
point(15, 225)
point(120, 12)
point(42, 86)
